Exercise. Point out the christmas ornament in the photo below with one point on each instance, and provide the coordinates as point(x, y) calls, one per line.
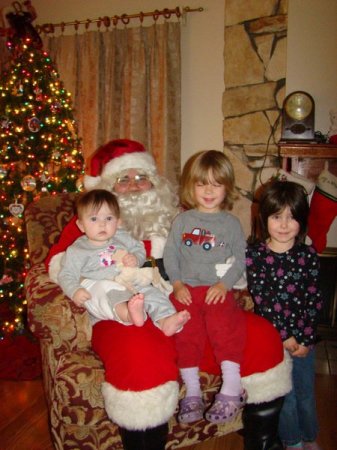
point(34, 124)
point(16, 209)
point(28, 183)
point(38, 94)
point(44, 193)
point(5, 279)
point(19, 91)
point(3, 172)
point(71, 128)
point(56, 156)
point(5, 123)
point(55, 108)
point(44, 179)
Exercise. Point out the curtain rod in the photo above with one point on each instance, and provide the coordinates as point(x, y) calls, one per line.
point(124, 19)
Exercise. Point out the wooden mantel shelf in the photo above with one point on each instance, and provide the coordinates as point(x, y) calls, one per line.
point(292, 152)
point(307, 150)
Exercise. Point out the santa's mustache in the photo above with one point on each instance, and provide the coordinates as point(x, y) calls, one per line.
point(147, 213)
point(138, 198)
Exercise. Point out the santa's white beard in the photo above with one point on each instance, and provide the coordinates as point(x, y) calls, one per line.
point(149, 213)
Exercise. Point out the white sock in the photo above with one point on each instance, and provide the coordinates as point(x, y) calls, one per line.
point(190, 377)
point(231, 378)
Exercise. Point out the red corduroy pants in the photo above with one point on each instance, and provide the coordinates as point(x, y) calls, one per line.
point(223, 324)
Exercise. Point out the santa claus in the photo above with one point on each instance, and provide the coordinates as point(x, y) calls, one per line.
point(141, 378)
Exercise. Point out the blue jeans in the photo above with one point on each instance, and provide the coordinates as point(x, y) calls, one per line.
point(298, 418)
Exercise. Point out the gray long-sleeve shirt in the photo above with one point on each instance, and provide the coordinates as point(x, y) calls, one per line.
point(84, 260)
point(198, 241)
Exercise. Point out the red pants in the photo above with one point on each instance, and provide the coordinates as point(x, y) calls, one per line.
point(223, 324)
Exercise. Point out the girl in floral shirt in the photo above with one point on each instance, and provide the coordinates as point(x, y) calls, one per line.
point(282, 275)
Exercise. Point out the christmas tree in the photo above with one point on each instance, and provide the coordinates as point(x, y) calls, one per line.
point(40, 154)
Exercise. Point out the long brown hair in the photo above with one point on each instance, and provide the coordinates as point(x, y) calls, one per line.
point(276, 196)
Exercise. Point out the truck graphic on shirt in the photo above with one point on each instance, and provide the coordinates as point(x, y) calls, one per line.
point(199, 236)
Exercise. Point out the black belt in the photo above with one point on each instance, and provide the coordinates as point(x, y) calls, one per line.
point(153, 262)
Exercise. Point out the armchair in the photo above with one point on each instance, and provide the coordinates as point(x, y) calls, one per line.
point(72, 372)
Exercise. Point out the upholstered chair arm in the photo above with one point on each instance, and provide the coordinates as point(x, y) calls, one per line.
point(52, 315)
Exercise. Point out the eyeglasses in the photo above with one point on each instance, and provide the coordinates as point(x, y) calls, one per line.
point(140, 180)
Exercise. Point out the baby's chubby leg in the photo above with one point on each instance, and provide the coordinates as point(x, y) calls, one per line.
point(174, 323)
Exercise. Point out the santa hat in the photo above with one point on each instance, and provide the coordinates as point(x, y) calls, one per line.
point(116, 156)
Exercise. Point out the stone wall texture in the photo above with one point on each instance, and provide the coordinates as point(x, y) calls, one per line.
point(255, 52)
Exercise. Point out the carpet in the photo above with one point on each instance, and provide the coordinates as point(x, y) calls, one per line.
point(20, 358)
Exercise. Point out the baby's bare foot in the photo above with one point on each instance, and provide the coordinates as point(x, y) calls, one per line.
point(136, 310)
point(170, 325)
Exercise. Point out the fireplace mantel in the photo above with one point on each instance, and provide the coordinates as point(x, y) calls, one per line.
point(293, 150)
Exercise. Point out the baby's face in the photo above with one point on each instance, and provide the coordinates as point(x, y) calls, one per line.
point(99, 225)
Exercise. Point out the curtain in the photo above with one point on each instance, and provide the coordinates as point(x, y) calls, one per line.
point(125, 83)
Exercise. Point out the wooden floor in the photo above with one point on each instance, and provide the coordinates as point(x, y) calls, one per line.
point(24, 423)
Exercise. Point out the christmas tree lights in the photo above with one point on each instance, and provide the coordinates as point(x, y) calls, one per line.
point(40, 154)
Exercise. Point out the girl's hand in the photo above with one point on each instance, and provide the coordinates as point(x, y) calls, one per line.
point(301, 351)
point(130, 260)
point(291, 344)
point(216, 293)
point(81, 296)
point(181, 293)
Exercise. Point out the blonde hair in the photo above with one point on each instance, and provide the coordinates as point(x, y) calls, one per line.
point(206, 167)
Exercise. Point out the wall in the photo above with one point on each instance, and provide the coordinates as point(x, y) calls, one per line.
point(312, 54)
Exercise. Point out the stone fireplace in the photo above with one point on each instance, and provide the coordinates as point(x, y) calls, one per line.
point(255, 51)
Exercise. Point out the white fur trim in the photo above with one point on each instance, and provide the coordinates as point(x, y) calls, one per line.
point(136, 160)
point(55, 267)
point(138, 410)
point(271, 384)
point(157, 246)
point(91, 182)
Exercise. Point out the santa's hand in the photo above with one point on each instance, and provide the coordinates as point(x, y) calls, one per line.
point(216, 293)
point(181, 293)
point(81, 296)
point(130, 260)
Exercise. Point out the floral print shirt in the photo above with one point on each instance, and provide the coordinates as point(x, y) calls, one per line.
point(285, 289)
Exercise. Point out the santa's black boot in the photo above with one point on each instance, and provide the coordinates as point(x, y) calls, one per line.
point(260, 425)
point(150, 439)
